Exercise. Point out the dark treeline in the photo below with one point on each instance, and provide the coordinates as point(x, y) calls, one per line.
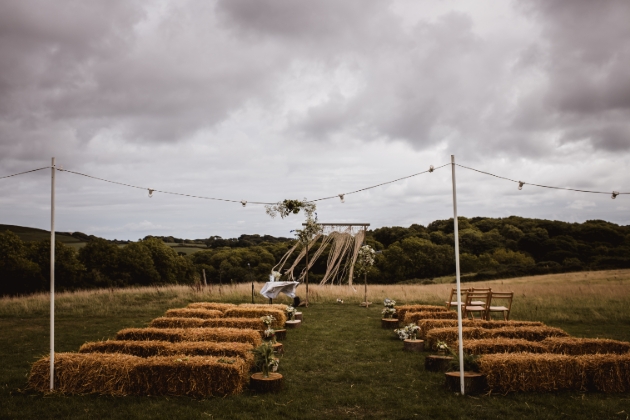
point(489, 248)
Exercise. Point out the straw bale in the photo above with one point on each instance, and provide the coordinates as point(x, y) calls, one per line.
point(164, 322)
point(575, 346)
point(121, 374)
point(450, 335)
point(247, 323)
point(527, 333)
point(258, 312)
point(429, 324)
point(194, 313)
point(212, 305)
point(236, 335)
point(166, 348)
point(416, 317)
point(401, 310)
point(501, 345)
point(528, 372)
point(607, 372)
point(280, 306)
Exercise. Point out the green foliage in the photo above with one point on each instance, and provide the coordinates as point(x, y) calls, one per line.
point(68, 269)
point(18, 274)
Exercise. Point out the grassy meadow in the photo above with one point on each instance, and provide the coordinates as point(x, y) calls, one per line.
point(339, 364)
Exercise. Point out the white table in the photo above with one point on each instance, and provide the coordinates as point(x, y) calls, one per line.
point(272, 289)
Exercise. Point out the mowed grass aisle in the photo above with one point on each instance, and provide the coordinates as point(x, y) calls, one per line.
point(339, 364)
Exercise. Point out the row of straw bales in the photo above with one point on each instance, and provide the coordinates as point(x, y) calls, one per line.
point(527, 372)
point(166, 348)
point(238, 323)
point(235, 312)
point(194, 313)
point(553, 345)
point(415, 317)
point(529, 356)
point(427, 325)
point(534, 333)
point(123, 374)
point(401, 310)
point(232, 335)
point(200, 351)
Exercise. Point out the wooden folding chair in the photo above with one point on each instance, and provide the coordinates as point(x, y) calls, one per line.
point(477, 302)
point(505, 298)
point(452, 299)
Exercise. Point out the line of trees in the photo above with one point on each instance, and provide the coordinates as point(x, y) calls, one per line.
point(489, 248)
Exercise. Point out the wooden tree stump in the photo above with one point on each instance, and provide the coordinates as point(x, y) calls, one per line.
point(281, 334)
point(414, 345)
point(292, 324)
point(273, 383)
point(278, 348)
point(389, 323)
point(298, 315)
point(437, 363)
point(474, 383)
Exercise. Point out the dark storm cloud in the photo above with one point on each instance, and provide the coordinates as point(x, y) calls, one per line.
point(587, 68)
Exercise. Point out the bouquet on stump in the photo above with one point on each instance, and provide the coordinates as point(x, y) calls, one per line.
point(265, 359)
point(291, 313)
point(389, 310)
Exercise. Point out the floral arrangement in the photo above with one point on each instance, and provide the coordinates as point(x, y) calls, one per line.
point(275, 276)
point(408, 332)
point(389, 303)
point(389, 310)
point(287, 207)
point(291, 312)
point(268, 320)
point(365, 260)
point(270, 335)
point(265, 359)
point(441, 346)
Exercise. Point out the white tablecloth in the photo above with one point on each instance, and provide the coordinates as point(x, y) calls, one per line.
point(272, 289)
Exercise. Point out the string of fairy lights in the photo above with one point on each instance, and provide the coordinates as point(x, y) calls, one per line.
point(341, 196)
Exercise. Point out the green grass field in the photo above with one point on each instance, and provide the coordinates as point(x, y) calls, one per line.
point(339, 364)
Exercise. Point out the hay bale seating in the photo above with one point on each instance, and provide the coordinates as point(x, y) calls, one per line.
point(429, 324)
point(450, 335)
point(243, 323)
point(194, 313)
point(501, 345)
point(280, 306)
point(235, 335)
point(257, 313)
point(166, 348)
point(551, 372)
point(403, 309)
point(527, 372)
point(577, 346)
point(212, 305)
point(122, 374)
point(416, 317)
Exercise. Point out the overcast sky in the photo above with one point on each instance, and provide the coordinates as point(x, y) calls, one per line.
point(265, 100)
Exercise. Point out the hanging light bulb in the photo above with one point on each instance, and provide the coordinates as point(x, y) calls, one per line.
point(151, 193)
point(614, 194)
point(341, 197)
point(520, 185)
point(431, 169)
point(244, 203)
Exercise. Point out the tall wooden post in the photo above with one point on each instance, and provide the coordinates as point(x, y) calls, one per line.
point(306, 275)
point(457, 277)
point(52, 277)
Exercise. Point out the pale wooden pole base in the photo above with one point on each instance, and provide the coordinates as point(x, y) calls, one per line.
point(474, 383)
point(273, 383)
